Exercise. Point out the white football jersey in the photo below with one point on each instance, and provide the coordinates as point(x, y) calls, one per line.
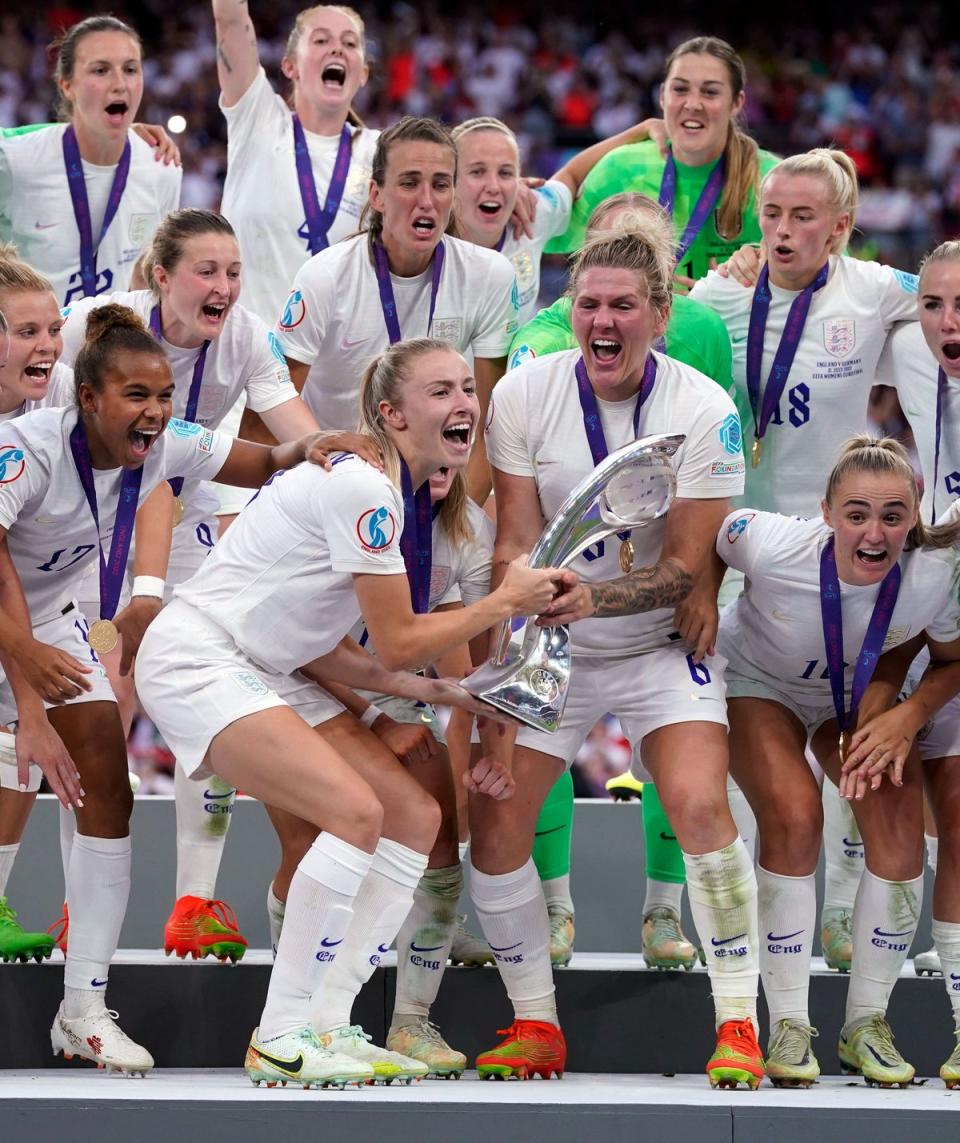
point(908, 365)
point(36, 211)
point(333, 320)
point(554, 207)
point(280, 580)
point(261, 195)
point(825, 398)
point(51, 532)
point(535, 428)
point(774, 630)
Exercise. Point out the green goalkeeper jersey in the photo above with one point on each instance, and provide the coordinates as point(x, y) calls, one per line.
point(639, 167)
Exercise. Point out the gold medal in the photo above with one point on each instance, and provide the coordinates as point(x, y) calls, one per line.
point(103, 636)
point(844, 743)
point(626, 556)
point(177, 510)
point(756, 451)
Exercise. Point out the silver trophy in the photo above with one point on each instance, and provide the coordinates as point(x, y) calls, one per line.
point(529, 673)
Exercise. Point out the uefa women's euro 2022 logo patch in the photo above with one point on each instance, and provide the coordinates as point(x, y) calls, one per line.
point(737, 527)
point(731, 435)
point(12, 463)
point(294, 311)
point(376, 529)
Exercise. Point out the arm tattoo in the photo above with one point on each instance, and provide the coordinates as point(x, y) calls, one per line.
point(223, 59)
point(646, 589)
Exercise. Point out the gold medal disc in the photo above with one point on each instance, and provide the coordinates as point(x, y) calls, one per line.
point(103, 636)
point(843, 746)
point(177, 510)
point(626, 556)
point(756, 451)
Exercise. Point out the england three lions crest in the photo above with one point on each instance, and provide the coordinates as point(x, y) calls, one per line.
point(839, 336)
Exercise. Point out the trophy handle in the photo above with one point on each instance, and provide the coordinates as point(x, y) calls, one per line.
point(641, 480)
point(528, 675)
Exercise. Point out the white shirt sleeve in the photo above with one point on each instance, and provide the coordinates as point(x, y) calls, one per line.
point(6, 193)
point(303, 323)
point(256, 111)
point(497, 312)
point(508, 446)
point(713, 465)
point(268, 381)
point(897, 295)
point(474, 582)
point(362, 521)
point(190, 450)
point(740, 539)
point(554, 207)
point(75, 326)
point(24, 476)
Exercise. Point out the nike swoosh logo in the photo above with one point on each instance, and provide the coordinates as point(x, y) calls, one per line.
point(212, 796)
point(506, 948)
point(727, 941)
point(547, 832)
point(97, 983)
point(539, 461)
point(881, 933)
point(422, 948)
point(667, 836)
point(291, 1066)
point(785, 937)
point(847, 841)
point(44, 225)
point(352, 342)
point(328, 944)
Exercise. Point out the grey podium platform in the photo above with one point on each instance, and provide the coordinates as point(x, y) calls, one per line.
point(223, 1107)
point(618, 1016)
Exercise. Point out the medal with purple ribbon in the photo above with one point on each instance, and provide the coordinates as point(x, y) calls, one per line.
point(193, 403)
point(319, 221)
point(387, 301)
point(783, 359)
point(706, 203)
point(103, 635)
point(81, 206)
point(831, 612)
point(598, 442)
point(416, 539)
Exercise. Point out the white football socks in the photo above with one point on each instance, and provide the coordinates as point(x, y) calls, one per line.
point(723, 899)
point(933, 846)
point(946, 938)
point(98, 886)
point(556, 891)
point(787, 908)
point(379, 910)
point(68, 828)
point(322, 891)
point(663, 895)
point(8, 855)
point(513, 916)
point(204, 810)
point(842, 851)
point(275, 912)
point(742, 816)
point(424, 940)
point(884, 923)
